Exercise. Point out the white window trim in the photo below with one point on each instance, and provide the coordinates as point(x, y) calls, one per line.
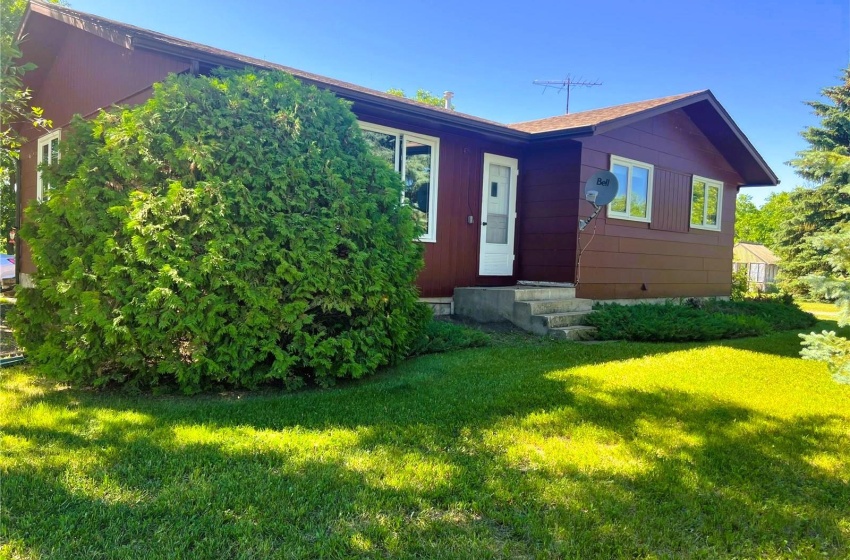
point(649, 188)
point(46, 139)
point(708, 182)
point(385, 130)
point(401, 141)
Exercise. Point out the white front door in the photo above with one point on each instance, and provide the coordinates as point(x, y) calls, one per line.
point(498, 216)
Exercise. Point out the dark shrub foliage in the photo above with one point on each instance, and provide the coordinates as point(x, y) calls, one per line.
point(231, 231)
point(696, 320)
point(775, 297)
point(444, 336)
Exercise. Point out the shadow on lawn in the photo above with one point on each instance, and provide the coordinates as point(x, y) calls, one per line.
point(454, 458)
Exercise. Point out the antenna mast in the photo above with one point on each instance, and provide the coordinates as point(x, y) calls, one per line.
point(568, 84)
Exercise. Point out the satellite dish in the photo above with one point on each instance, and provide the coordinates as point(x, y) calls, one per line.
point(601, 188)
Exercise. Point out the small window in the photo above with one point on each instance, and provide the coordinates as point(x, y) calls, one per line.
point(634, 193)
point(48, 152)
point(414, 157)
point(706, 201)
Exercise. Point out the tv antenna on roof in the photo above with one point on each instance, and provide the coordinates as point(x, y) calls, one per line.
point(568, 84)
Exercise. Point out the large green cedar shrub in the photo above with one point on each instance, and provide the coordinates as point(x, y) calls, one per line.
point(231, 231)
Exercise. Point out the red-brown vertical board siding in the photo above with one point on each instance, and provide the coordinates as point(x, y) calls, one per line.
point(671, 201)
point(664, 258)
point(453, 260)
point(548, 216)
point(89, 73)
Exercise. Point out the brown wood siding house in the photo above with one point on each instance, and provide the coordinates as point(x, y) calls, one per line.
point(86, 63)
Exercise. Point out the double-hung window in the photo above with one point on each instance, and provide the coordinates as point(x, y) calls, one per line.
point(634, 195)
point(706, 201)
point(48, 152)
point(415, 158)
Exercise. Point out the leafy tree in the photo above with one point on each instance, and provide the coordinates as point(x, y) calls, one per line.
point(746, 218)
point(233, 230)
point(761, 225)
point(774, 212)
point(423, 96)
point(827, 164)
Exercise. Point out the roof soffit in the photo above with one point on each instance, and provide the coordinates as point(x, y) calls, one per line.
point(90, 24)
point(138, 38)
point(705, 112)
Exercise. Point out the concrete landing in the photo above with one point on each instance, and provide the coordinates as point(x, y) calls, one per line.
point(543, 310)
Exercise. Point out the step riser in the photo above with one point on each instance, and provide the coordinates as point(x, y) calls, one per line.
point(537, 294)
point(573, 333)
point(555, 306)
point(562, 320)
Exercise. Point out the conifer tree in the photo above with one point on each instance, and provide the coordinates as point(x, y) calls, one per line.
point(817, 210)
point(811, 211)
point(826, 163)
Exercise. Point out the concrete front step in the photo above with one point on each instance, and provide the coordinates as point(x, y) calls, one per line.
point(541, 315)
point(576, 332)
point(541, 310)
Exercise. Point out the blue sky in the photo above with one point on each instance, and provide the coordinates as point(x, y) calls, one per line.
point(761, 59)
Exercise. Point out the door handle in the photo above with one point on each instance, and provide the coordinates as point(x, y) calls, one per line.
point(483, 223)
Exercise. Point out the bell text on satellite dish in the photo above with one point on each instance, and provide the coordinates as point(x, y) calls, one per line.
point(601, 188)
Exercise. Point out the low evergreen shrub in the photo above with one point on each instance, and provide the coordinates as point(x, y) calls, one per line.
point(444, 336)
point(773, 296)
point(233, 230)
point(696, 320)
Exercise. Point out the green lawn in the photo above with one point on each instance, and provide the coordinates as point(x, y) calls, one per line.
point(825, 311)
point(530, 449)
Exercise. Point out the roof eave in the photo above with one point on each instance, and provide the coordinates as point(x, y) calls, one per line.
point(95, 26)
point(19, 36)
point(400, 106)
point(576, 132)
point(768, 177)
point(434, 117)
point(131, 37)
point(756, 185)
point(626, 120)
point(742, 138)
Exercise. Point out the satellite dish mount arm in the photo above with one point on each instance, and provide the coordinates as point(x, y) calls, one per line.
point(583, 223)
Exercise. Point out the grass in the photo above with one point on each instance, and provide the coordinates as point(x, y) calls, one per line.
point(527, 449)
point(823, 311)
